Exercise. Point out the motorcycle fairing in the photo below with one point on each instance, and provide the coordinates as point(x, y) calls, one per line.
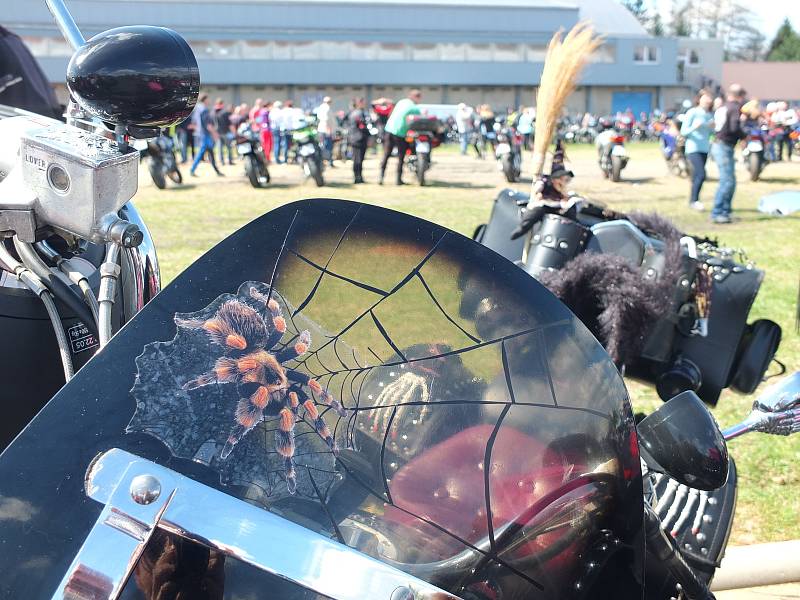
point(486, 440)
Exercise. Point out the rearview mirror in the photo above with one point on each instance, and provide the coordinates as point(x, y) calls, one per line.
point(139, 76)
point(682, 440)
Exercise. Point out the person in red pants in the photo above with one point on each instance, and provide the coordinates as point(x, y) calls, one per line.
point(267, 142)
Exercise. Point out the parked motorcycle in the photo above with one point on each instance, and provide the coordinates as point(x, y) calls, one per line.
point(611, 154)
point(308, 153)
point(673, 148)
point(161, 163)
point(248, 146)
point(697, 293)
point(753, 154)
point(422, 138)
point(509, 153)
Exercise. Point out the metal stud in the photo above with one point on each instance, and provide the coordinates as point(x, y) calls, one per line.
point(145, 489)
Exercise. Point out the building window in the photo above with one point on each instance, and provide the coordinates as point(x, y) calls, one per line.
point(604, 54)
point(429, 52)
point(509, 52)
point(646, 55)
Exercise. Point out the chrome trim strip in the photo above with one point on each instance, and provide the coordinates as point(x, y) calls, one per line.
point(115, 543)
point(237, 529)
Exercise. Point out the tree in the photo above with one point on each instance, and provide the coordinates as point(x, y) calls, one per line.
point(656, 26)
point(638, 9)
point(749, 46)
point(786, 44)
point(679, 19)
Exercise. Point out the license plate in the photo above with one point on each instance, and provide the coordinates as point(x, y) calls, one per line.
point(755, 146)
point(423, 147)
point(307, 150)
point(244, 148)
point(618, 151)
point(502, 149)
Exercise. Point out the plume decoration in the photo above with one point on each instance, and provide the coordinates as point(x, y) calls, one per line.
point(562, 66)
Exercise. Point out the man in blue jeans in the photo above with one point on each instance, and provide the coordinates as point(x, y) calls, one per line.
point(728, 132)
point(205, 135)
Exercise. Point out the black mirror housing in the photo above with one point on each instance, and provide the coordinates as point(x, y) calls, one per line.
point(683, 440)
point(142, 76)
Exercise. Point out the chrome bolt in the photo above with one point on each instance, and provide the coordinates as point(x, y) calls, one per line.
point(145, 489)
point(402, 593)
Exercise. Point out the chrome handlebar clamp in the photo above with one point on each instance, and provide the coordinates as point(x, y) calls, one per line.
point(64, 177)
point(140, 496)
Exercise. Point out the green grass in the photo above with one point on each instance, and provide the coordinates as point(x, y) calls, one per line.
point(187, 221)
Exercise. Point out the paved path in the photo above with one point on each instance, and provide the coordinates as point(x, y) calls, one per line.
point(788, 591)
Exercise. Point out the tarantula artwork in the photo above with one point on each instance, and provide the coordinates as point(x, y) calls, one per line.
point(253, 360)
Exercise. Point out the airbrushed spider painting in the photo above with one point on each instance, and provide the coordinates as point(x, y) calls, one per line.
point(243, 348)
point(405, 390)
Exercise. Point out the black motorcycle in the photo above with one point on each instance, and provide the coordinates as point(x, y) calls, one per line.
point(440, 427)
point(690, 295)
point(248, 147)
point(423, 135)
point(611, 154)
point(308, 153)
point(161, 163)
point(368, 455)
point(509, 152)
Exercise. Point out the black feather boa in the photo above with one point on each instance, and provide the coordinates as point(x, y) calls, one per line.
point(612, 298)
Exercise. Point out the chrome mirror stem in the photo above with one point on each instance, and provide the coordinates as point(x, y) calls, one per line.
point(775, 411)
point(66, 23)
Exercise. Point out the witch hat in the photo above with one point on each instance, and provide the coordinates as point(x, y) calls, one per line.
point(557, 169)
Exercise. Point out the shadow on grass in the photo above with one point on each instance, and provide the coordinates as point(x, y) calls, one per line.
point(795, 180)
point(179, 187)
point(455, 185)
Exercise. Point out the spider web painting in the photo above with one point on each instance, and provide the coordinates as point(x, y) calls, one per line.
point(455, 394)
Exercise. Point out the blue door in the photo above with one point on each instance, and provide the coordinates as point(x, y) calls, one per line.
point(638, 102)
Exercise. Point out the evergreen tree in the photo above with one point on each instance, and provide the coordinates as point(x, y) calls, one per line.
point(679, 19)
point(638, 10)
point(656, 26)
point(786, 44)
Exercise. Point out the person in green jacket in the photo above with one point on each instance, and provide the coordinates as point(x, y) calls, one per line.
point(395, 132)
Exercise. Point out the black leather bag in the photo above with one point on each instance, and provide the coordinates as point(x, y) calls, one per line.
point(757, 348)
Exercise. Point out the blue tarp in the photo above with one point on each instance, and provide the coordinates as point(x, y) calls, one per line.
point(780, 203)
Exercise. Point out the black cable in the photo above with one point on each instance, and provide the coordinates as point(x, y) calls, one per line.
point(664, 549)
point(59, 289)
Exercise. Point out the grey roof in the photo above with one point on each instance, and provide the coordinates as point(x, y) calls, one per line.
point(608, 16)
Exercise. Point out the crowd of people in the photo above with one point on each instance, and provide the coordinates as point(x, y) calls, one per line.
point(711, 126)
point(210, 132)
point(716, 126)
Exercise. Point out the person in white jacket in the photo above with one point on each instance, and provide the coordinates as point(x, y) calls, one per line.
point(326, 128)
point(464, 119)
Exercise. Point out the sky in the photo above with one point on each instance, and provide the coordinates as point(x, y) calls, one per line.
point(771, 12)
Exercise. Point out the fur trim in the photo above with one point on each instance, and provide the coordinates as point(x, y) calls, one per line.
point(610, 296)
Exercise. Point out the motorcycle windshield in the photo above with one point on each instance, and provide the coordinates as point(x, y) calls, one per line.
point(373, 377)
